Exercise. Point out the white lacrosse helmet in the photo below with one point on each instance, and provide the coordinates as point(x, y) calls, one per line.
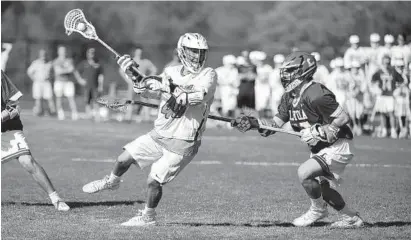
point(192, 50)
point(374, 37)
point(229, 60)
point(317, 56)
point(354, 39)
point(388, 38)
point(278, 58)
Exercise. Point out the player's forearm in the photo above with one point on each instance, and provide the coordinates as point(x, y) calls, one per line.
point(151, 94)
point(5, 115)
point(341, 118)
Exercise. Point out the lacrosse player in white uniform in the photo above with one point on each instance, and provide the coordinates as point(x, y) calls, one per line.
point(186, 93)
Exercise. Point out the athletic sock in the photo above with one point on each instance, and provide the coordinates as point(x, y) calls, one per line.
point(113, 178)
point(54, 197)
point(149, 211)
point(347, 211)
point(318, 203)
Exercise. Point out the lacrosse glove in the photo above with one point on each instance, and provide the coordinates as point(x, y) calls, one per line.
point(129, 66)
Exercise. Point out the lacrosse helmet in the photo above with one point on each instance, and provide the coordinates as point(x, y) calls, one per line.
point(297, 68)
point(192, 50)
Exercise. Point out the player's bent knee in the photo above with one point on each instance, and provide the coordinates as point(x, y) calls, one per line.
point(304, 173)
point(153, 183)
point(125, 158)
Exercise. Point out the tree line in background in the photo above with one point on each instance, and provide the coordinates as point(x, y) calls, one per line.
point(274, 27)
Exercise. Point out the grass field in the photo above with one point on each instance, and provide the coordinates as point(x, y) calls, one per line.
point(239, 186)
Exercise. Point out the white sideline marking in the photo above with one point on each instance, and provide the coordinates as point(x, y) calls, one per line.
point(281, 164)
point(291, 164)
point(92, 160)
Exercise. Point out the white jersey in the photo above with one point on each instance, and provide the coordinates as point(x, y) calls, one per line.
point(190, 124)
point(321, 75)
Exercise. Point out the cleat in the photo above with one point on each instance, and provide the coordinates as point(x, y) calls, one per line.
point(349, 222)
point(310, 217)
point(141, 220)
point(393, 134)
point(100, 185)
point(61, 206)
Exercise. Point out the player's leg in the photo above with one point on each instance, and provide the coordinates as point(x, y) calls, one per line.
point(37, 109)
point(40, 176)
point(143, 151)
point(48, 96)
point(58, 91)
point(163, 171)
point(69, 92)
point(307, 174)
point(88, 109)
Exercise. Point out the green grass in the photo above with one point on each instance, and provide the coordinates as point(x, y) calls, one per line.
point(216, 201)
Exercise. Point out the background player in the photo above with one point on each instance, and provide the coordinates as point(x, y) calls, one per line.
point(91, 73)
point(178, 128)
point(13, 141)
point(312, 109)
point(39, 72)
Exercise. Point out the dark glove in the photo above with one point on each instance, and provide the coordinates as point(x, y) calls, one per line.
point(244, 123)
point(13, 110)
point(265, 132)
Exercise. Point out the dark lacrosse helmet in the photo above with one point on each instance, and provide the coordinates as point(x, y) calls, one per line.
point(297, 68)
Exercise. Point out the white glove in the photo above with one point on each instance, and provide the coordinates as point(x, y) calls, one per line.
point(126, 62)
point(310, 135)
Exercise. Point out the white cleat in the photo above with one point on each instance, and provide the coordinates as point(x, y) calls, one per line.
point(61, 206)
point(349, 222)
point(310, 217)
point(100, 185)
point(141, 220)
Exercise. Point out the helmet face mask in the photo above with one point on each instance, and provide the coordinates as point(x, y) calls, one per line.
point(192, 50)
point(297, 68)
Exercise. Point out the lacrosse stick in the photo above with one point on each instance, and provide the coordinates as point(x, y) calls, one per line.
point(122, 106)
point(75, 21)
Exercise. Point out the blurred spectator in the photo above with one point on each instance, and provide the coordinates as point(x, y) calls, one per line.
point(354, 95)
point(262, 85)
point(39, 72)
point(386, 50)
point(228, 85)
point(277, 89)
point(5, 51)
point(322, 73)
point(63, 69)
point(147, 68)
point(386, 79)
point(354, 52)
point(401, 51)
point(372, 55)
point(246, 74)
point(175, 61)
point(338, 83)
point(91, 73)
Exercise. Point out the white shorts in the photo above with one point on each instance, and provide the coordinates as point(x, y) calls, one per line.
point(384, 104)
point(42, 90)
point(64, 88)
point(262, 97)
point(336, 157)
point(13, 145)
point(354, 107)
point(165, 165)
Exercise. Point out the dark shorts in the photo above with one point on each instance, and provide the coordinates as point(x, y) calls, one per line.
point(246, 95)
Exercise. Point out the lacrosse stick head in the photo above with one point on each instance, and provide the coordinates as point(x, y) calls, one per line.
point(115, 104)
point(75, 21)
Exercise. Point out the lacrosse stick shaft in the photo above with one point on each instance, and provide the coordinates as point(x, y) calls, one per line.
point(223, 119)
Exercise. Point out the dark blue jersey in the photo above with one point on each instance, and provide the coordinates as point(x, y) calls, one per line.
point(315, 104)
point(9, 94)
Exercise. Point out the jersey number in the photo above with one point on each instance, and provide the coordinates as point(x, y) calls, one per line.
point(172, 109)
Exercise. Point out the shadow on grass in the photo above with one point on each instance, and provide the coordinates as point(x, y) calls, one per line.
point(78, 204)
point(264, 224)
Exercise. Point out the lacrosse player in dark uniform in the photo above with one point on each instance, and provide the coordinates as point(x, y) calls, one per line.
point(312, 110)
point(13, 141)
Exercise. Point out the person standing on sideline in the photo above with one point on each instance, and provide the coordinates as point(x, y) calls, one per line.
point(39, 73)
point(91, 72)
point(63, 68)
